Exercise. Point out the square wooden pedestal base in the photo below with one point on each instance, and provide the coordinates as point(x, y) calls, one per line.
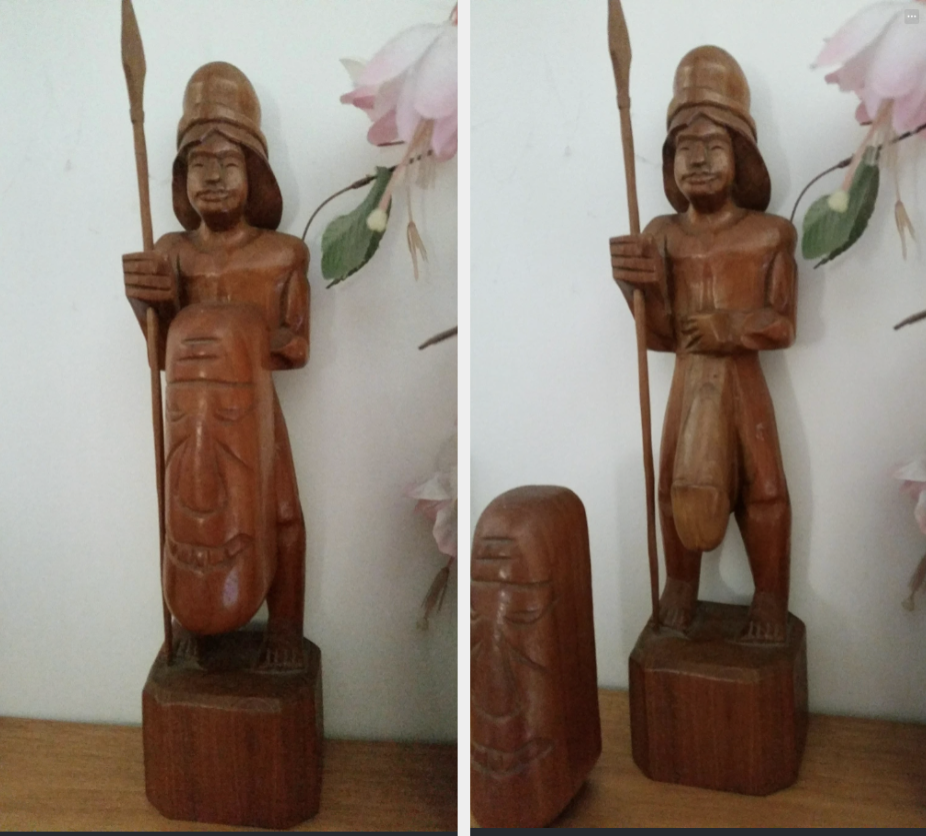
point(709, 712)
point(228, 745)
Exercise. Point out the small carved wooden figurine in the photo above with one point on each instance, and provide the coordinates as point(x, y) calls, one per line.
point(720, 285)
point(536, 733)
point(232, 301)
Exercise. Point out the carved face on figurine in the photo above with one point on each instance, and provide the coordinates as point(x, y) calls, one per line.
point(705, 168)
point(217, 181)
point(514, 653)
point(519, 736)
point(220, 546)
point(533, 700)
point(221, 126)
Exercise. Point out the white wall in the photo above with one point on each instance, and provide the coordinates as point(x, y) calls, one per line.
point(554, 385)
point(79, 597)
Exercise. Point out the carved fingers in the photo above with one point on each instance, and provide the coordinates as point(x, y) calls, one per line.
point(636, 261)
point(150, 278)
point(291, 348)
point(716, 331)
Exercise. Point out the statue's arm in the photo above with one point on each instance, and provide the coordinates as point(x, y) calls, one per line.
point(289, 343)
point(638, 262)
point(152, 281)
point(768, 327)
point(774, 326)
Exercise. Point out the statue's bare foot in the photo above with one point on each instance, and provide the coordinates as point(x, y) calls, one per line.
point(282, 651)
point(768, 620)
point(677, 604)
point(185, 646)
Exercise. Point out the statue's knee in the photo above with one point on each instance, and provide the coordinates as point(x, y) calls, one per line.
point(774, 510)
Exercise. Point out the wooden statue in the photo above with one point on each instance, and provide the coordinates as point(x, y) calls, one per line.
point(535, 727)
point(719, 282)
point(237, 293)
point(231, 718)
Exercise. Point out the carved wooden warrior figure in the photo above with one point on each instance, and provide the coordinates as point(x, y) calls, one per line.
point(720, 284)
point(232, 297)
point(534, 698)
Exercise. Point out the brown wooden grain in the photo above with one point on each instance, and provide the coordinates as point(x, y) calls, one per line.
point(227, 744)
point(855, 773)
point(75, 776)
point(719, 283)
point(709, 711)
point(534, 698)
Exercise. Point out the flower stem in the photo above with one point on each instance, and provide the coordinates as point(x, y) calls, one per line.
point(910, 320)
point(439, 338)
point(357, 184)
point(846, 162)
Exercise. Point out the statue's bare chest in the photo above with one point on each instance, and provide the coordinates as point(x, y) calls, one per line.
point(720, 271)
point(241, 278)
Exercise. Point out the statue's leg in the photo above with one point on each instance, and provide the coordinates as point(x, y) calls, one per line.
point(683, 565)
point(286, 597)
point(766, 530)
point(764, 510)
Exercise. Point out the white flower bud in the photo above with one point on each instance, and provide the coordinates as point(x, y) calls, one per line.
point(838, 201)
point(376, 220)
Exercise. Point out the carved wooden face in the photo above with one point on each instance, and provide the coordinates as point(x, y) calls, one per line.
point(517, 717)
point(704, 160)
point(220, 549)
point(217, 180)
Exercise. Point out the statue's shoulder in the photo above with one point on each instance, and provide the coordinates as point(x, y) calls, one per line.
point(773, 229)
point(173, 243)
point(661, 226)
point(283, 250)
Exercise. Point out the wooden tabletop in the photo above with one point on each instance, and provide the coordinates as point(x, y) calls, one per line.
point(855, 773)
point(76, 776)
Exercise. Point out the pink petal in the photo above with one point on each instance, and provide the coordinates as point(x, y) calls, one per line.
point(407, 118)
point(383, 130)
point(387, 97)
point(362, 97)
point(400, 53)
point(854, 73)
point(444, 137)
point(857, 33)
point(861, 114)
point(919, 512)
point(899, 64)
point(914, 471)
point(445, 529)
point(909, 111)
point(428, 508)
point(871, 99)
point(436, 78)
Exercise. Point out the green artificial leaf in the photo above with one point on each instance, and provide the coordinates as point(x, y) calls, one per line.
point(829, 233)
point(347, 242)
point(864, 197)
point(824, 229)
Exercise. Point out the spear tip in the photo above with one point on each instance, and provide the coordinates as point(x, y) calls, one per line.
point(619, 44)
point(133, 54)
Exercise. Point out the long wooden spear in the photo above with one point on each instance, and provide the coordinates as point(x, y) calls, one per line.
point(619, 45)
point(133, 62)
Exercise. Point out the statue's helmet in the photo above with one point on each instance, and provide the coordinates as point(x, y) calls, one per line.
point(219, 98)
point(709, 82)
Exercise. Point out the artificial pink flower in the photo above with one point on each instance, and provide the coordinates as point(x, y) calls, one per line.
point(409, 89)
point(437, 497)
point(883, 61)
point(913, 476)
